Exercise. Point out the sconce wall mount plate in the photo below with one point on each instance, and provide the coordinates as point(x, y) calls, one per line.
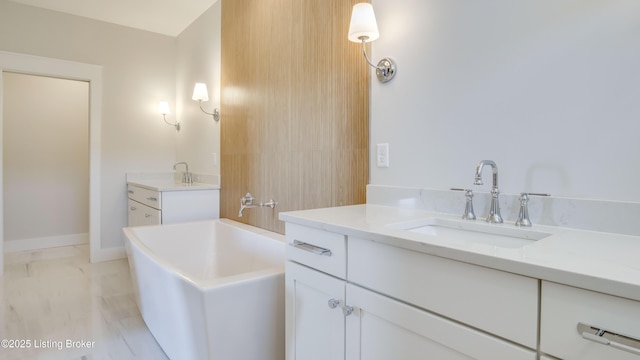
point(385, 70)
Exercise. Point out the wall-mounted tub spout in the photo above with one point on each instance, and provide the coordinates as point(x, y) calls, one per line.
point(246, 202)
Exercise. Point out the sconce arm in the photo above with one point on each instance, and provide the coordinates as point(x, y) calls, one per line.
point(386, 68)
point(215, 113)
point(177, 124)
point(364, 52)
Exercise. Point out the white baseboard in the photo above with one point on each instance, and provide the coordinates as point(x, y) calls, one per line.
point(45, 242)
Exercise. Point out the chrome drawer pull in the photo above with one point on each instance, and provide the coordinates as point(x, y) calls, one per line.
point(152, 199)
point(610, 338)
point(133, 208)
point(147, 215)
point(311, 248)
point(130, 191)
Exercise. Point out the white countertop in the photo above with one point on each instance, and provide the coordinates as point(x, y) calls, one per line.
point(170, 181)
point(598, 261)
point(169, 185)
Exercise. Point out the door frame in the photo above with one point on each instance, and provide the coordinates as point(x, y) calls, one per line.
point(35, 65)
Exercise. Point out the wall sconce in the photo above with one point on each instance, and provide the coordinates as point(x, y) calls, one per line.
point(163, 108)
point(363, 28)
point(200, 94)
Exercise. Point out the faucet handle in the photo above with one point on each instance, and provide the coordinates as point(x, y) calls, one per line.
point(247, 199)
point(523, 214)
point(468, 208)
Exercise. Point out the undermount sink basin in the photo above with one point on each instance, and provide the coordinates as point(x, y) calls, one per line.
point(500, 235)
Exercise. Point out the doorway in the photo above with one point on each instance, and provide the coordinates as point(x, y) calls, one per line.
point(45, 161)
point(92, 74)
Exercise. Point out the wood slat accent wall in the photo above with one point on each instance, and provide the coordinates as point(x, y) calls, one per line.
point(294, 106)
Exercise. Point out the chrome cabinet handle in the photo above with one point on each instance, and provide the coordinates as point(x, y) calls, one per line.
point(333, 303)
point(609, 338)
point(311, 248)
point(130, 191)
point(147, 215)
point(347, 310)
point(133, 208)
point(152, 198)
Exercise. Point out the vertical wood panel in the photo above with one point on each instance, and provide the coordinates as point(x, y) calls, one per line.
point(295, 121)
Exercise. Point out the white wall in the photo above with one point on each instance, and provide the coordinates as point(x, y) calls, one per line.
point(46, 157)
point(198, 60)
point(139, 69)
point(546, 88)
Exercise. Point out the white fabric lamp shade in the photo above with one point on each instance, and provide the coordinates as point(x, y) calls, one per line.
point(363, 23)
point(163, 108)
point(200, 92)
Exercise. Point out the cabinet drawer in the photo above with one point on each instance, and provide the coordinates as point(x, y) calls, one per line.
point(145, 196)
point(498, 302)
point(321, 250)
point(563, 307)
point(141, 214)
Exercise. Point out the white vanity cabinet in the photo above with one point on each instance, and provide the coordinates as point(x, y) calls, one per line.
point(347, 298)
point(564, 307)
point(152, 207)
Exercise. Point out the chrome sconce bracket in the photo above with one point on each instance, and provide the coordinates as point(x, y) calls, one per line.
point(215, 114)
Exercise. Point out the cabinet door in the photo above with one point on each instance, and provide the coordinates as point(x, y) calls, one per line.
point(381, 329)
point(315, 330)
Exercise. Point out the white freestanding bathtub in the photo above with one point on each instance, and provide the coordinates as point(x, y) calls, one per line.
point(211, 289)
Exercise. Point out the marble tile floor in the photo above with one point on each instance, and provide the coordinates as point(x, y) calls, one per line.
point(56, 305)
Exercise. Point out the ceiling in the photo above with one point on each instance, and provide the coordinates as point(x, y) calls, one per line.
point(168, 17)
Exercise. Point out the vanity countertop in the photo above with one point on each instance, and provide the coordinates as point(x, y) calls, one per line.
point(170, 185)
point(170, 182)
point(598, 261)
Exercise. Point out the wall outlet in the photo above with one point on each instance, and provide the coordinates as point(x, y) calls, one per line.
point(383, 155)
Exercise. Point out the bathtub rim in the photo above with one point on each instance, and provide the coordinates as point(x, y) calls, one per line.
point(216, 283)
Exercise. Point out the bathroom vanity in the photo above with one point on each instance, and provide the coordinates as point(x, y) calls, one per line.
point(163, 200)
point(378, 282)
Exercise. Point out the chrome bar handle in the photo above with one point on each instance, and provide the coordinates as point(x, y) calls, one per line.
point(151, 198)
point(609, 338)
point(310, 248)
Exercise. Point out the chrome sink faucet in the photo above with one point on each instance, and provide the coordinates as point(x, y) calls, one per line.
point(187, 178)
point(494, 212)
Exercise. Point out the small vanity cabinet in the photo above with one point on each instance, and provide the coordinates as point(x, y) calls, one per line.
point(151, 206)
point(351, 298)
